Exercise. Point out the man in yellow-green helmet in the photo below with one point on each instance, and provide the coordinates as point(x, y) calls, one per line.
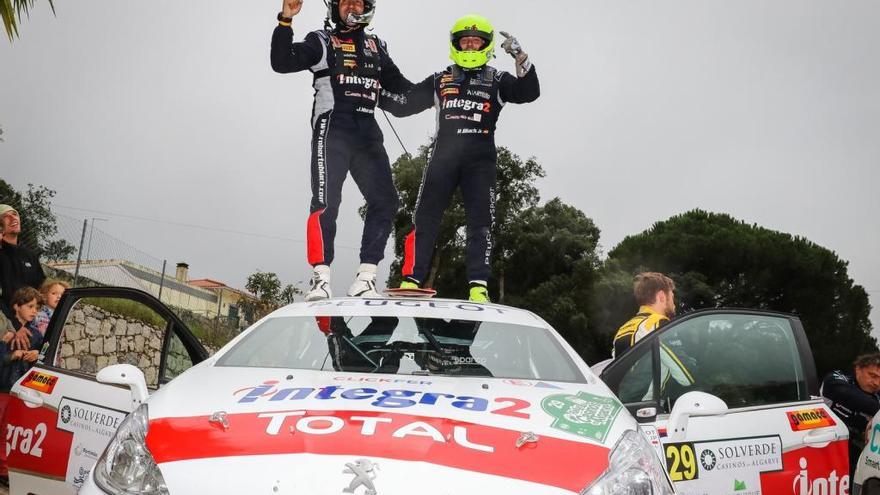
point(468, 96)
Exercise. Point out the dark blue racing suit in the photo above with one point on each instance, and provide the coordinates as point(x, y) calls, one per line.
point(348, 68)
point(463, 155)
point(852, 405)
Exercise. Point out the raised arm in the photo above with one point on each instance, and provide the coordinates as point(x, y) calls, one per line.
point(287, 56)
point(419, 98)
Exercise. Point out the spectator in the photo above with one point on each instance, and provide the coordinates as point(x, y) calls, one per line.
point(19, 267)
point(50, 293)
point(14, 363)
point(655, 294)
point(855, 398)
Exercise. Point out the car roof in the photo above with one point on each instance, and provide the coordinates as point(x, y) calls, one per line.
point(412, 307)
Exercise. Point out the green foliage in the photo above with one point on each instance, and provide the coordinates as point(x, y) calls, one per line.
point(550, 267)
point(131, 310)
point(11, 13)
point(38, 223)
point(270, 296)
point(717, 261)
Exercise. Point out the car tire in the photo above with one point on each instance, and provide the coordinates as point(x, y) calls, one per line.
point(871, 487)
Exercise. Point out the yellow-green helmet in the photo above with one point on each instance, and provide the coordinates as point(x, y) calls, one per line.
point(472, 25)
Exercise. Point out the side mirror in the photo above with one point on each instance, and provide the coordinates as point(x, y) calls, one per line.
point(126, 374)
point(692, 404)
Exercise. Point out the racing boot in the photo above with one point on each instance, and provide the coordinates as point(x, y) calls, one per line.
point(320, 284)
point(479, 292)
point(365, 283)
point(409, 283)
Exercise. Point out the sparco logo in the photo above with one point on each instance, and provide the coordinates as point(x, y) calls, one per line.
point(467, 105)
point(366, 82)
point(832, 485)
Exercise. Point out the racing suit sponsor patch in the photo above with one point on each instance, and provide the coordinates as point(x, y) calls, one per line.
point(809, 419)
point(40, 381)
point(584, 414)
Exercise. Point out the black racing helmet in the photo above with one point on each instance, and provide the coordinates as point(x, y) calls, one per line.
point(363, 19)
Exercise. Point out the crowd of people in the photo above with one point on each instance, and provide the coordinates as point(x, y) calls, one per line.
point(27, 300)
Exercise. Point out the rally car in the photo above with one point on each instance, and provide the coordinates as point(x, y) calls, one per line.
point(363, 396)
point(866, 480)
point(387, 396)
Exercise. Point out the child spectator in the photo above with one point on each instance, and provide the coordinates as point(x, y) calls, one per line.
point(51, 293)
point(15, 363)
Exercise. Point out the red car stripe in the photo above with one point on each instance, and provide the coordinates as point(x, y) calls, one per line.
point(570, 465)
point(409, 254)
point(315, 238)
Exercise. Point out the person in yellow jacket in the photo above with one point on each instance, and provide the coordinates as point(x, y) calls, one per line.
point(655, 294)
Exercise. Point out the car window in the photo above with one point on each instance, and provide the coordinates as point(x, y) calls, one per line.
point(405, 345)
point(746, 360)
point(100, 331)
point(637, 384)
point(177, 360)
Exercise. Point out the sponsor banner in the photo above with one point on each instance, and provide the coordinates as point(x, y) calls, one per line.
point(584, 414)
point(33, 443)
point(40, 381)
point(566, 464)
point(809, 419)
point(731, 466)
point(812, 471)
point(92, 427)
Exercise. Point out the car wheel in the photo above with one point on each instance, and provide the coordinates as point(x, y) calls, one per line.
point(871, 487)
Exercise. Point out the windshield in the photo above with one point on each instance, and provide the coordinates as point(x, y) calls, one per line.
point(404, 345)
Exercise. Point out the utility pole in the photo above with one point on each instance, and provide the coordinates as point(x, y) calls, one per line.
point(162, 280)
point(79, 256)
point(92, 231)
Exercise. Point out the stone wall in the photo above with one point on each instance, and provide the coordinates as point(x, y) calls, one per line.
point(94, 338)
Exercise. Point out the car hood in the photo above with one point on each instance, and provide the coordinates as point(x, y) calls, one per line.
point(314, 432)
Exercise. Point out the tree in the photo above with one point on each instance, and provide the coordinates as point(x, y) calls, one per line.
point(551, 265)
point(717, 261)
point(516, 191)
point(38, 223)
point(11, 12)
point(270, 296)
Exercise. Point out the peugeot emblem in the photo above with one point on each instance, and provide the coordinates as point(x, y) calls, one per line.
point(364, 472)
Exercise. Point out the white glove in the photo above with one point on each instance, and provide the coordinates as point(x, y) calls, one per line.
point(512, 46)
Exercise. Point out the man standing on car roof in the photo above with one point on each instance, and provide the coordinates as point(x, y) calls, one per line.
point(348, 66)
point(855, 398)
point(468, 96)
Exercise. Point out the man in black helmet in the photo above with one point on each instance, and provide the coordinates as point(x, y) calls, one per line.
point(348, 68)
point(468, 96)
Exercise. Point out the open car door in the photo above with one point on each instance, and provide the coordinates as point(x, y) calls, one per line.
point(60, 417)
point(730, 399)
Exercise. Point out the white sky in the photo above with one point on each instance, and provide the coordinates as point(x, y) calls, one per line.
point(768, 111)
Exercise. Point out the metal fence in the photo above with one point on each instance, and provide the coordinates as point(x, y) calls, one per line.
point(100, 259)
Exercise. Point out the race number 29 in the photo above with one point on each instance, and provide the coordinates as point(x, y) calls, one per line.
point(681, 460)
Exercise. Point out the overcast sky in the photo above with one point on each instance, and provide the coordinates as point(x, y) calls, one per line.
point(767, 111)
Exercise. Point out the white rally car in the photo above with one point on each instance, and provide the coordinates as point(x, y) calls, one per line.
point(385, 396)
point(866, 480)
point(363, 396)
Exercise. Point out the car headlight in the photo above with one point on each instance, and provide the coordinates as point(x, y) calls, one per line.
point(127, 466)
point(633, 469)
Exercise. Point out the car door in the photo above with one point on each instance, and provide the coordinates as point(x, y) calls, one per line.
point(60, 417)
point(730, 400)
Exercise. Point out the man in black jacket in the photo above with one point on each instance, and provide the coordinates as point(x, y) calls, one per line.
point(19, 267)
point(855, 398)
point(348, 68)
point(468, 97)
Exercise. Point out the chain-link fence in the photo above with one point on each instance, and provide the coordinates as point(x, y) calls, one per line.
point(85, 255)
